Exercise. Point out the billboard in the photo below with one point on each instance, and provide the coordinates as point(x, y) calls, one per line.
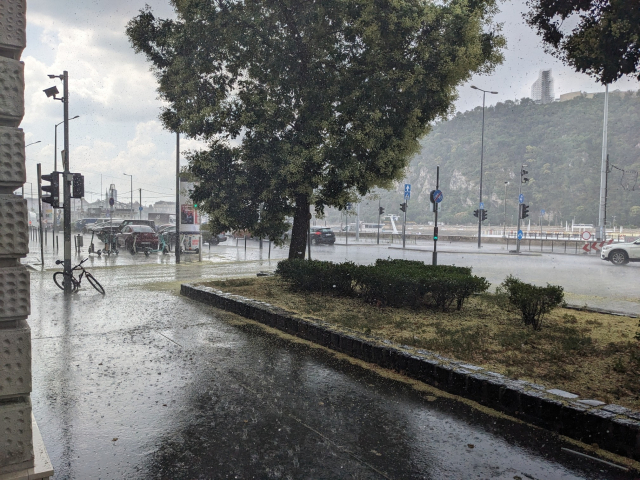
point(189, 215)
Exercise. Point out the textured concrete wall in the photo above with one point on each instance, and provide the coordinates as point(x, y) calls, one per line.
point(16, 437)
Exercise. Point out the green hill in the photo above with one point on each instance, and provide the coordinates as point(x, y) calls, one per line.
point(560, 142)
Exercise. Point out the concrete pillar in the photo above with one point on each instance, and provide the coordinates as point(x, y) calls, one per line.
point(17, 459)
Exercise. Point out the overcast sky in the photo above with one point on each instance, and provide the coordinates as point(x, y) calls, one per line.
point(115, 95)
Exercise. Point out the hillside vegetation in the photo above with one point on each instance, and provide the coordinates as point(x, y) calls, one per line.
point(562, 145)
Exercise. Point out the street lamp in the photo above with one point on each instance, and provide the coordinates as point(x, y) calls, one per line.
point(131, 193)
point(32, 143)
point(55, 145)
point(480, 209)
point(504, 230)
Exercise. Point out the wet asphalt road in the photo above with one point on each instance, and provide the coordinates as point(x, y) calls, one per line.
point(142, 383)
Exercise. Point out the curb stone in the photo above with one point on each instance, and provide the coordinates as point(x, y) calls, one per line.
point(612, 427)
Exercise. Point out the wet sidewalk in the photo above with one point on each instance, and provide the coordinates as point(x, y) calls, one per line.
point(143, 383)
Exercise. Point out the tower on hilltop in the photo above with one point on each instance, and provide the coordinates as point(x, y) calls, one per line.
point(542, 88)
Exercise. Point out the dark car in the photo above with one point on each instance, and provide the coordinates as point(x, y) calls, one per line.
point(137, 238)
point(322, 235)
point(207, 237)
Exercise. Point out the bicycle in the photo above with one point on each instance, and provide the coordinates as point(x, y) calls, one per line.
point(59, 278)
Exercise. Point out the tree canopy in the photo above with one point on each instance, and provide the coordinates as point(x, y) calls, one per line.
point(606, 41)
point(308, 102)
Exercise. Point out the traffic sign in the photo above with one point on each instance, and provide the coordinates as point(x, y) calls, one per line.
point(586, 235)
point(407, 191)
point(481, 205)
point(111, 201)
point(140, 208)
point(348, 206)
point(520, 234)
point(542, 213)
point(521, 198)
point(438, 196)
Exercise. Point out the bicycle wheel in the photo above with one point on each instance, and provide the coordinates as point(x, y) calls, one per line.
point(94, 283)
point(59, 280)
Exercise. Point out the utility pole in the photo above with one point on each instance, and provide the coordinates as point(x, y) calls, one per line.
point(379, 213)
point(358, 222)
point(523, 172)
point(403, 207)
point(140, 209)
point(602, 212)
point(65, 186)
point(178, 198)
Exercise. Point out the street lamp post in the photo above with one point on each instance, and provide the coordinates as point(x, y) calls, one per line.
point(481, 210)
point(504, 230)
point(131, 193)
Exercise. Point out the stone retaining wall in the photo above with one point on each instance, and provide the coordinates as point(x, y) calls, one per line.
point(612, 427)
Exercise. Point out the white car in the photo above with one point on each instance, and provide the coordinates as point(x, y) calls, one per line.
point(621, 253)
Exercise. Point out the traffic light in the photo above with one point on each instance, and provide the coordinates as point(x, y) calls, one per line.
point(484, 214)
point(78, 186)
point(53, 189)
point(523, 172)
point(524, 211)
point(403, 206)
point(435, 234)
point(381, 210)
point(475, 213)
point(348, 206)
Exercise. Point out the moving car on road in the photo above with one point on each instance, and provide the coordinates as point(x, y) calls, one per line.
point(137, 238)
point(621, 253)
point(322, 235)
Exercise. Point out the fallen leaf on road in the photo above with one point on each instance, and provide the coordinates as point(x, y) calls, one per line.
point(471, 445)
point(115, 439)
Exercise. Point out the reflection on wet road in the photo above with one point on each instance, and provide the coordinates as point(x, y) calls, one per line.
point(142, 383)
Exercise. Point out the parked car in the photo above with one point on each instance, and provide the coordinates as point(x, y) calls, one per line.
point(207, 237)
point(621, 253)
point(322, 235)
point(84, 222)
point(133, 221)
point(137, 238)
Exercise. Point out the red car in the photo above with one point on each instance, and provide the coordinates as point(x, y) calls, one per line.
point(137, 238)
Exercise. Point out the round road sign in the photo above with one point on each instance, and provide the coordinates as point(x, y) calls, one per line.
point(140, 208)
point(586, 235)
point(438, 196)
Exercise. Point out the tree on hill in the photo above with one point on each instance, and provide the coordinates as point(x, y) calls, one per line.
point(606, 41)
point(304, 102)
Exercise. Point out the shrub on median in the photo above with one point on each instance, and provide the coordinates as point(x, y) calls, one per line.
point(397, 283)
point(531, 301)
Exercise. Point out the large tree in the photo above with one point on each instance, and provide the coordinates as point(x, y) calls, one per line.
point(308, 102)
point(605, 39)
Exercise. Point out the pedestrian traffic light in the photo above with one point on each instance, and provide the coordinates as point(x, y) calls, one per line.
point(523, 172)
point(475, 213)
point(403, 206)
point(484, 214)
point(54, 189)
point(78, 186)
point(381, 210)
point(435, 234)
point(524, 211)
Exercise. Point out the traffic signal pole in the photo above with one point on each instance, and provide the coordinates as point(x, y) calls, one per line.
point(434, 256)
point(379, 212)
point(40, 214)
point(66, 192)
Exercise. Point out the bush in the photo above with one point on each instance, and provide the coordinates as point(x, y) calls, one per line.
point(396, 283)
point(531, 301)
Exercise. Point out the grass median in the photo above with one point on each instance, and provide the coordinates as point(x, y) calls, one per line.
point(593, 355)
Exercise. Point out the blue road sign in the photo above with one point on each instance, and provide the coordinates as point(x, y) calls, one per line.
point(520, 235)
point(481, 205)
point(542, 213)
point(140, 208)
point(348, 206)
point(438, 196)
point(521, 198)
point(407, 191)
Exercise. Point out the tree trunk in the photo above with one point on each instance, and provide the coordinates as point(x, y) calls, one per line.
point(300, 229)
